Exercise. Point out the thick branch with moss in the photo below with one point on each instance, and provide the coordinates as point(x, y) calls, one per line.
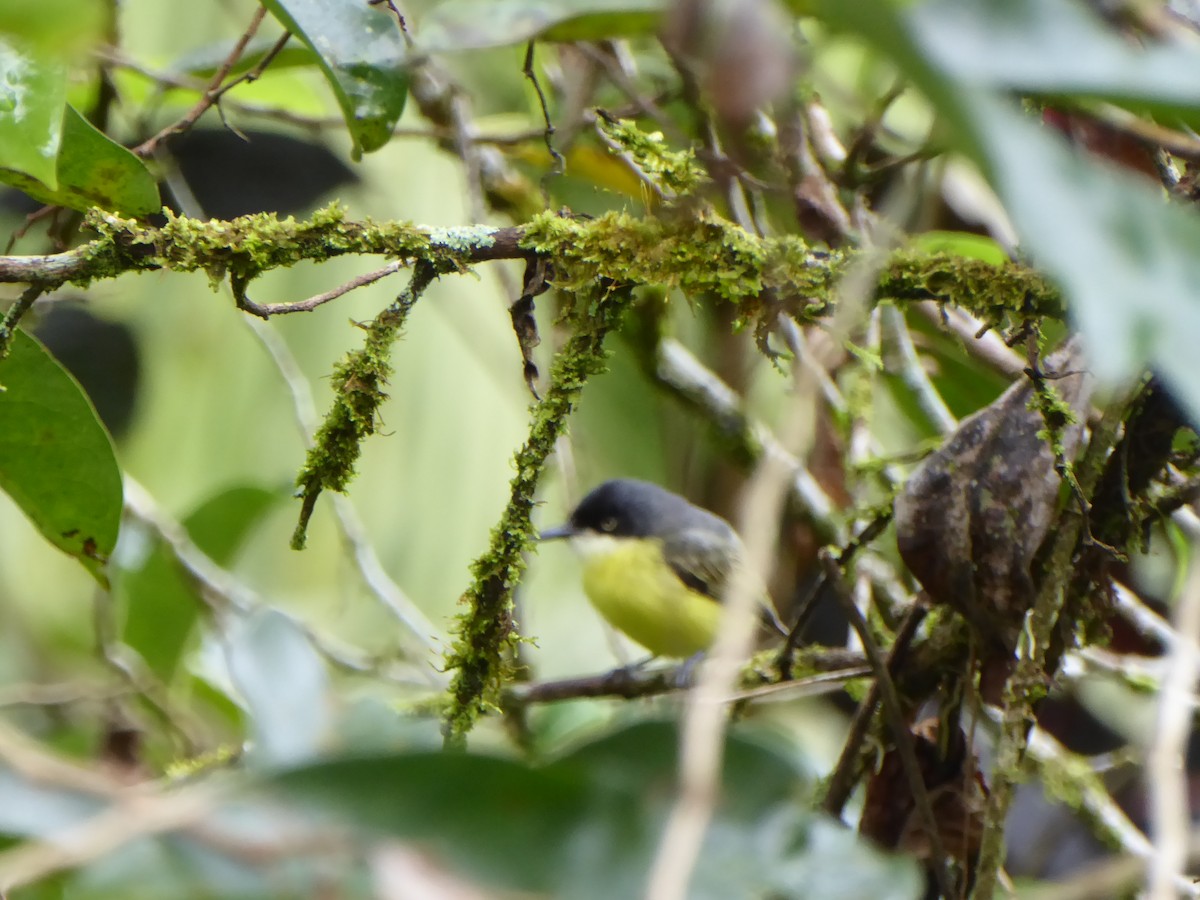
point(486, 629)
point(699, 253)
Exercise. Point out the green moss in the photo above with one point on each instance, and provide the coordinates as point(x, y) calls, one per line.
point(358, 382)
point(250, 245)
point(675, 171)
point(992, 293)
point(485, 631)
point(698, 253)
point(704, 255)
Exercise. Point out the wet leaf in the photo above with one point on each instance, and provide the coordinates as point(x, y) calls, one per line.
point(362, 52)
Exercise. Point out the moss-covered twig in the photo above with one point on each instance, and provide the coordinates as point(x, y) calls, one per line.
point(486, 629)
point(12, 318)
point(358, 382)
point(1029, 679)
point(701, 255)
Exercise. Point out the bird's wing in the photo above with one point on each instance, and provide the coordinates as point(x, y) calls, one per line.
point(704, 560)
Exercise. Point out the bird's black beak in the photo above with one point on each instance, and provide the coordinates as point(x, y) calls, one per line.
point(558, 532)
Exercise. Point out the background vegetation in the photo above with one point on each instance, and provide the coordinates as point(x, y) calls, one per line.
point(770, 255)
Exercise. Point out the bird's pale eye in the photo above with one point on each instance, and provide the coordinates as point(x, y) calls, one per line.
point(609, 524)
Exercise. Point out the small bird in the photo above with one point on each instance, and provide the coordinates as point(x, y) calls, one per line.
point(654, 565)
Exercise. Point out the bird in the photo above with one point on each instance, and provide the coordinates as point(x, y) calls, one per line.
point(654, 565)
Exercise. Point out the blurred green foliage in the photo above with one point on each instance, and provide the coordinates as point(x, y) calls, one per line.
point(281, 708)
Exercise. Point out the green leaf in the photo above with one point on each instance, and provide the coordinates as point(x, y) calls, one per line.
point(162, 605)
point(362, 52)
point(204, 61)
point(33, 94)
point(959, 243)
point(1125, 257)
point(92, 171)
point(587, 824)
point(476, 24)
point(284, 684)
point(56, 460)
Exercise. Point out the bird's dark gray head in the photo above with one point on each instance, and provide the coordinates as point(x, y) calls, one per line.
point(627, 507)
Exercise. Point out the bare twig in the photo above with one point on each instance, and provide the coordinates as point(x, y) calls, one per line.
point(986, 346)
point(36, 764)
point(211, 94)
point(1059, 764)
point(63, 694)
point(703, 729)
point(266, 310)
point(916, 379)
point(531, 75)
point(834, 665)
point(134, 814)
point(221, 591)
point(1166, 773)
point(893, 709)
point(434, 132)
point(681, 372)
point(847, 770)
point(1135, 611)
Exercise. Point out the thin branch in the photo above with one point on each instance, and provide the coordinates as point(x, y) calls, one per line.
point(704, 722)
point(15, 313)
point(266, 310)
point(134, 814)
point(893, 709)
point(834, 665)
point(115, 59)
point(211, 94)
point(64, 694)
point(219, 589)
point(702, 740)
point(1060, 765)
point(1147, 622)
point(845, 555)
point(36, 764)
point(984, 345)
point(681, 372)
point(1166, 773)
point(916, 379)
point(848, 769)
point(560, 163)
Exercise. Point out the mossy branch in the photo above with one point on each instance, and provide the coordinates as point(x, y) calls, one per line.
point(486, 629)
point(1029, 680)
point(358, 382)
point(701, 254)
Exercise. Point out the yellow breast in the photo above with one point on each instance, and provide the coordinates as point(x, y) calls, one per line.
point(631, 585)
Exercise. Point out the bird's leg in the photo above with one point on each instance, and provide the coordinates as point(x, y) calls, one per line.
point(685, 675)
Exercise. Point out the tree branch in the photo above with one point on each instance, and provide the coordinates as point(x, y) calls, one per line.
point(702, 256)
